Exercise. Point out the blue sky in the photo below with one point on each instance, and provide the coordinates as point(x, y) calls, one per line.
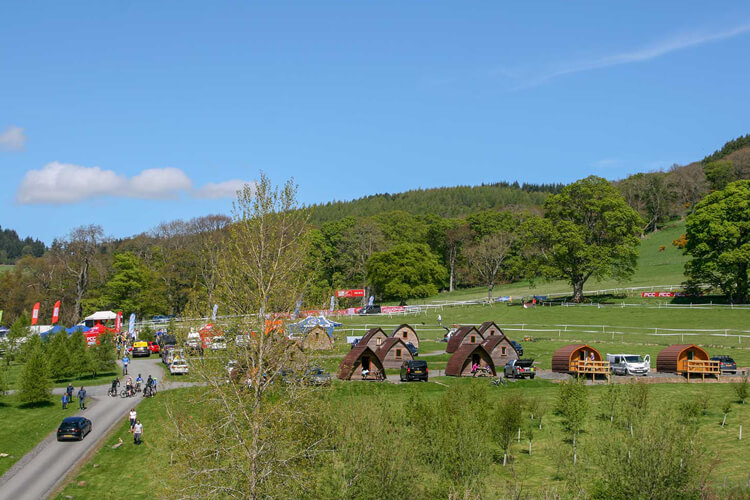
point(177, 103)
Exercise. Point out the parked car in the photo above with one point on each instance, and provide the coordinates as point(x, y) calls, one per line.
point(726, 364)
point(629, 364)
point(73, 428)
point(193, 340)
point(370, 309)
point(140, 348)
point(160, 318)
point(518, 347)
point(174, 355)
point(153, 347)
point(165, 350)
point(414, 370)
point(178, 366)
point(218, 344)
point(412, 349)
point(166, 339)
point(316, 376)
point(520, 368)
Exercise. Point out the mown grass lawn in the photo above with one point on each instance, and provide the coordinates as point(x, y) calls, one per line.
point(14, 372)
point(22, 427)
point(133, 472)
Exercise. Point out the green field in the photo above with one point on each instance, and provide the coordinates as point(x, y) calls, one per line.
point(6, 267)
point(107, 474)
point(23, 427)
point(14, 372)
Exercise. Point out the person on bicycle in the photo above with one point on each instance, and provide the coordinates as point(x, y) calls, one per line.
point(153, 383)
point(138, 382)
point(115, 385)
point(129, 387)
point(149, 382)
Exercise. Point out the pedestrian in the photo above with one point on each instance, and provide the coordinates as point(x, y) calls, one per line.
point(137, 432)
point(154, 382)
point(65, 401)
point(133, 418)
point(440, 320)
point(82, 398)
point(125, 361)
point(70, 390)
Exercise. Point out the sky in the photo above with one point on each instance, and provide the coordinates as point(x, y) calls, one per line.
point(128, 114)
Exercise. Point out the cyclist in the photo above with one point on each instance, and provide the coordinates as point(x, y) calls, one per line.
point(129, 387)
point(115, 385)
point(138, 382)
point(153, 382)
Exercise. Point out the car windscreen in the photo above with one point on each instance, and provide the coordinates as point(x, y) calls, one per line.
point(633, 359)
point(418, 364)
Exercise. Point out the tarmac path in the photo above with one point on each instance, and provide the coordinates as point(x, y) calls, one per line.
point(42, 469)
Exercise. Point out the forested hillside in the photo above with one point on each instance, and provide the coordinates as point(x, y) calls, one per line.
point(13, 248)
point(456, 201)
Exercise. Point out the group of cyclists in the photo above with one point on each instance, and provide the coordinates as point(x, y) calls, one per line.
point(130, 389)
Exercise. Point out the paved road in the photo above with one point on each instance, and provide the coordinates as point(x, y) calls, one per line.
point(40, 471)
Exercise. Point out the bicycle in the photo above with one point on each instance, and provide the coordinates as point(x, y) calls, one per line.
point(137, 387)
point(498, 382)
point(126, 394)
point(148, 392)
point(112, 392)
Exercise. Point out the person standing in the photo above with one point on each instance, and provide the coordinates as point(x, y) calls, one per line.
point(137, 432)
point(440, 320)
point(125, 361)
point(70, 390)
point(65, 401)
point(82, 398)
point(133, 417)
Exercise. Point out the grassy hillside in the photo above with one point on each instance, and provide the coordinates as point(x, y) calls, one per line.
point(5, 267)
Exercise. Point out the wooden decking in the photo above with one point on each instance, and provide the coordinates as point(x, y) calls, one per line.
point(702, 368)
point(588, 367)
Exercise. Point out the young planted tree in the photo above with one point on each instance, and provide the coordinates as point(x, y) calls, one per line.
point(573, 406)
point(58, 356)
point(19, 330)
point(742, 389)
point(507, 420)
point(256, 436)
point(35, 385)
point(609, 401)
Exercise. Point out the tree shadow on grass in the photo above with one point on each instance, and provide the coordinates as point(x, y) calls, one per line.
point(36, 404)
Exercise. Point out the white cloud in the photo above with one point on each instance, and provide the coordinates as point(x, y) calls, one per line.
point(155, 183)
point(647, 53)
point(226, 189)
point(606, 163)
point(13, 139)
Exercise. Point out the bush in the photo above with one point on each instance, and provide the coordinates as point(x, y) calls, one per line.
point(741, 389)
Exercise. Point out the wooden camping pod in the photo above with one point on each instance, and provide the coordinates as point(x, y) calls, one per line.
point(393, 353)
point(460, 363)
point(686, 359)
point(464, 335)
point(358, 359)
point(406, 333)
point(500, 349)
point(489, 329)
point(374, 338)
point(316, 339)
point(576, 359)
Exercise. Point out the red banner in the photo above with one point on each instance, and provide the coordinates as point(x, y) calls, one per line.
point(653, 295)
point(359, 292)
point(118, 322)
point(35, 314)
point(56, 312)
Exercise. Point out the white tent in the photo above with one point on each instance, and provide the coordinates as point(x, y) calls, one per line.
point(101, 316)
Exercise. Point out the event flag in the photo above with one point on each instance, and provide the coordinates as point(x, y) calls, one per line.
point(35, 314)
point(118, 322)
point(213, 313)
point(1, 317)
point(56, 312)
point(131, 324)
point(333, 302)
point(372, 300)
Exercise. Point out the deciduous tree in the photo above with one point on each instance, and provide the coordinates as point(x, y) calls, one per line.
point(405, 271)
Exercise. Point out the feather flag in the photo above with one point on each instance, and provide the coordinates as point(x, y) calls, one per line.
point(131, 324)
point(118, 322)
point(56, 312)
point(35, 314)
point(213, 313)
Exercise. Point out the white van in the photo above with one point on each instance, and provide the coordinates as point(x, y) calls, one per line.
point(629, 364)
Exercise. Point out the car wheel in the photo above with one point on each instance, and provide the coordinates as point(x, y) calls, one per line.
point(532, 377)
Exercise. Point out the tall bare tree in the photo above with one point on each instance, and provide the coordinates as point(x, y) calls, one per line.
point(356, 246)
point(209, 231)
point(254, 435)
point(78, 254)
point(488, 255)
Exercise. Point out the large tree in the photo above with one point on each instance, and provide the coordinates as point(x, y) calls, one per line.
point(78, 253)
point(588, 231)
point(488, 255)
point(718, 240)
point(406, 271)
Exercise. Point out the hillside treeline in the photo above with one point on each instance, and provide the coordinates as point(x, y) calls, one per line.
point(12, 247)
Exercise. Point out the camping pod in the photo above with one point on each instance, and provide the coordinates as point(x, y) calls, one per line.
point(374, 338)
point(317, 339)
point(489, 329)
point(393, 353)
point(686, 359)
point(462, 361)
point(407, 334)
point(579, 359)
point(500, 349)
point(464, 335)
point(359, 359)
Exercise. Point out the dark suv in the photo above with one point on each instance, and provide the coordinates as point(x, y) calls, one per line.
point(414, 370)
point(370, 309)
point(726, 364)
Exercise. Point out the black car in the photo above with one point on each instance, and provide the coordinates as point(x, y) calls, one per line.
point(412, 349)
point(370, 309)
point(518, 347)
point(726, 364)
point(414, 370)
point(73, 428)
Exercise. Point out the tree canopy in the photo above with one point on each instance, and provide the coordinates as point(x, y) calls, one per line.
point(408, 270)
point(718, 241)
